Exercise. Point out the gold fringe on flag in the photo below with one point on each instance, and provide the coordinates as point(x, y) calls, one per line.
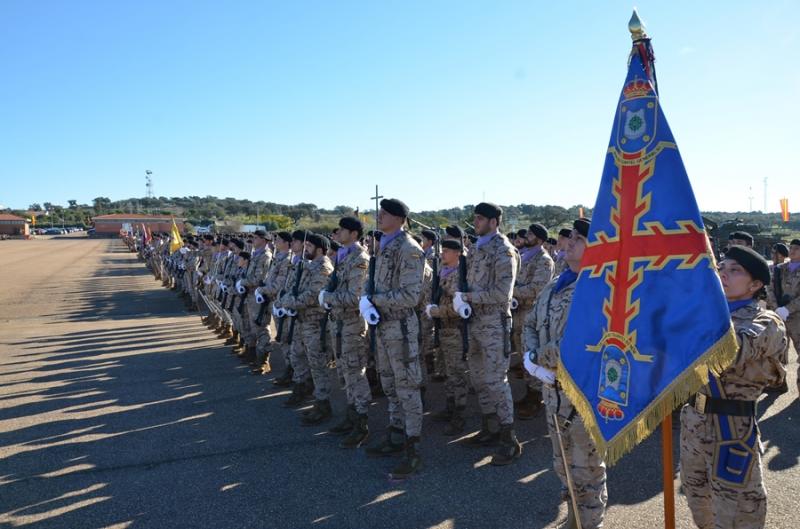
point(716, 359)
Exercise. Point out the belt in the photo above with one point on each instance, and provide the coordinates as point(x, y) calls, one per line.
point(740, 408)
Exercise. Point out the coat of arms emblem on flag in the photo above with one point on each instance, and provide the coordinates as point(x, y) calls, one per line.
point(648, 318)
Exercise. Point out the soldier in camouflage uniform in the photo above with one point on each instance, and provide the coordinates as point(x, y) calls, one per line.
point(543, 330)
point(561, 248)
point(284, 323)
point(273, 284)
point(450, 340)
point(492, 270)
point(399, 267)
point(309, 354)
point(426, 325)
point(260, 261)
point(234, 272)
point(720, 441)
point(788, 308)
point(535, 273)
point(350, 331)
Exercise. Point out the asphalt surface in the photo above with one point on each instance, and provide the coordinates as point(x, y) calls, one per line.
point(119, 409)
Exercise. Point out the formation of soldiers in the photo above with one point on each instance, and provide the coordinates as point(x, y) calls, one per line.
point(394, 312)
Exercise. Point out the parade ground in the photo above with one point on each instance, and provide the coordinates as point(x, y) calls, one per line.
point(120, 409)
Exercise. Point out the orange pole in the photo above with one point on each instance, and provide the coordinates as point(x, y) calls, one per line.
point(669, 482)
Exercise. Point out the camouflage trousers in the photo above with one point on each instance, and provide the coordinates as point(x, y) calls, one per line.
point(716, 504)
point(488, 360)
point(425, 344)
point(401, 373)
point(451, 347)
point(350, 346)
point(258, 335)
point(240, 319)
point(191, 284)
point(587, 468)
point(516, 339)
point(308, 357)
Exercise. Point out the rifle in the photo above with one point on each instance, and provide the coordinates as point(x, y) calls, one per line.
point(296, 286)
point(333, 283)
point(373, 337)
point(436, 288)
point(463, 287)
point(780, 298)
point(280, 322)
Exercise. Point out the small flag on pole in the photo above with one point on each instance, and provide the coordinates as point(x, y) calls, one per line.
point(176, 241)
point(785, 209)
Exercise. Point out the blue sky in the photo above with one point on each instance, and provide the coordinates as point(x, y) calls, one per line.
point(440, 103)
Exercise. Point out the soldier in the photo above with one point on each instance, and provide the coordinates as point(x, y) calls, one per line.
point(309, 354)
point(491, 273)
point(544, 328)
point(297, 262)
point(535, 273)
point(233, 273)
point(256, 274)
point(720, 440)
point(450, 341)
point(399, 267)
point(785, 299)
point(270, 290)
point(740, 238)
point(561, 245)
point(350, 331)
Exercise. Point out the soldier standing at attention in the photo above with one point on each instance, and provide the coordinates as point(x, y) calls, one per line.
point(350, 331)
point(273, 284)
point(260, 260)
point(492, 270)
point(720, 441)
point(544, 328)
point(399, 268)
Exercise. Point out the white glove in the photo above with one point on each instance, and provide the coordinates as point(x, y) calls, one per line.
point(542, 373)
point(428, 309)
point(461, 307)
point(783, 312)
point(184, 250)
point(372, 316)
point(207, 280)
point(291, 313)
point(514, 303)
point(240, 288)
point(275, 310)
point(219, 282)
point(224, 288)
point(321, 298)
point(364, 304)
point(280, 312)
point(258, 292)
point(259, 297)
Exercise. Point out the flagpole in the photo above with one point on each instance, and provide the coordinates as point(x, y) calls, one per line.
point(669, 481)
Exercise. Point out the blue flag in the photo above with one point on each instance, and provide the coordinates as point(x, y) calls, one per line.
point(648, 317)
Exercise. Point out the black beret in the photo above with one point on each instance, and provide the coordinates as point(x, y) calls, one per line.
point(795, 242)
point(454, 231)
point(394, 207)
point(335, 245)
point(285, 235)
point(208, 237)
point(741, 235)
point(299, 235)
point(520, 233)
point(244, 255)
point(782, 249)
point(552, 241)
point(429, 234)
point(417, 238)
point(194, 244)
point(751, 261)
point(564, 232)
point(539, 230)
point(452, 244)
point(260, 233)
point(319, 241)
point(489, 210)
point(352, 224)
point(472, 238)
point(226, 242)
point(239, 243)
point(582, 226)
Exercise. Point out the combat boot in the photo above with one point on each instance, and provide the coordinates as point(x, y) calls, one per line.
point(447, 413)
point(509, 449)
point(411, 461)
point(358, 435)
point(529, 406)
point(285, 380)
point(299, 393)
point(485, 437)
point(262, 366)
point(233, 339)
point(227, 332)
point(318, 413)
point(347, 423)
point(456, 424)
point(205, 319)
point(571, 522)
point(392, 444)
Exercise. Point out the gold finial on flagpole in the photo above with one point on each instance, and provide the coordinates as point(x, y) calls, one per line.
point(636, 27)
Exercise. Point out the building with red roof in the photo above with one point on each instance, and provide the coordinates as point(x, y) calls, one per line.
point(14, 225)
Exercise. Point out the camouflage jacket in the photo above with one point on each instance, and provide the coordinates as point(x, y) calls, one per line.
point(444, 311)
point(762, 343)
point(544, 324)
point(790, 285)
point(259, 265)
point(315, 278)
point(399, 269)
point(207, 255)
point(491, 272)
point(533, 277)
point(350, 274)
point(278, 275)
